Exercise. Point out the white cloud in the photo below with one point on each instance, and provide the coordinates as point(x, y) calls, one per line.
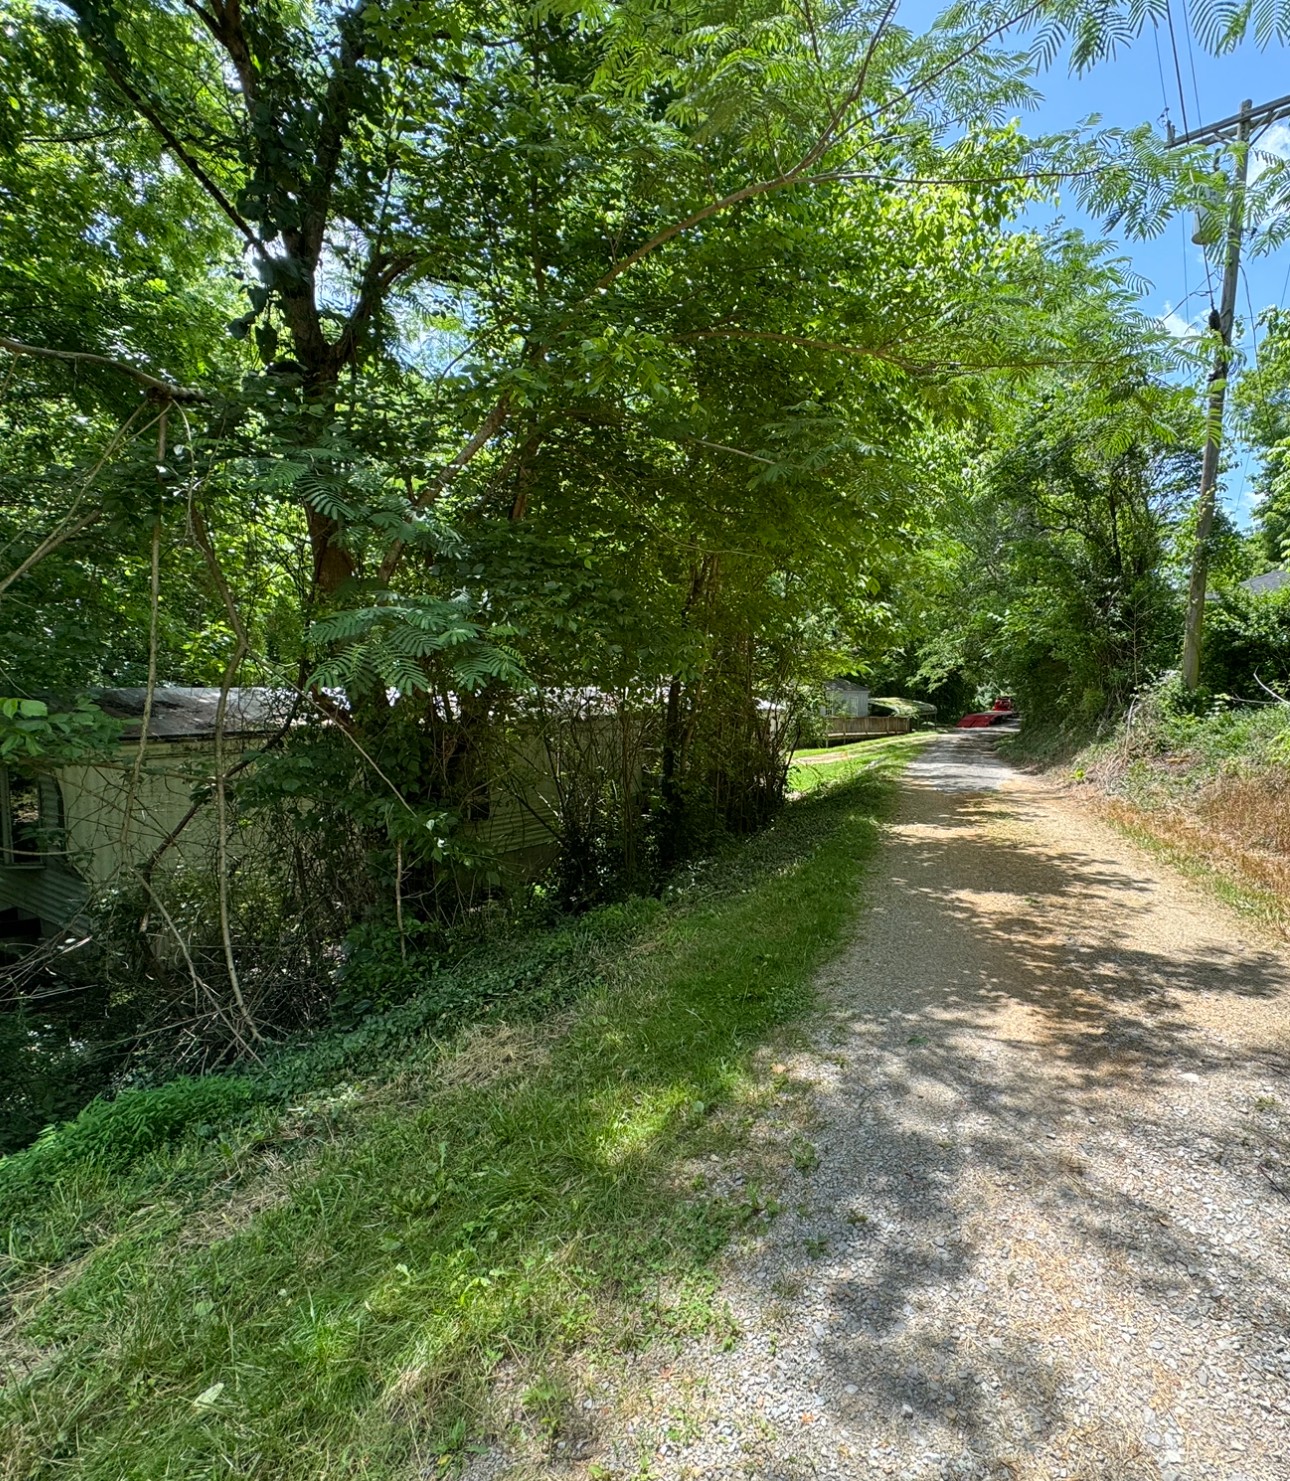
point(1174, 322)
point(1272, 142)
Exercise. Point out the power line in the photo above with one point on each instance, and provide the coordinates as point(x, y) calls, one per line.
point(1251, 118)
point(1182, 105)
point(1242, 479)
point(1160, 69)
point(1173, 42)
point(1164, 100)
point(1180, 304)
point(1182, 221)
point(1191, 61)
point(1249, 304)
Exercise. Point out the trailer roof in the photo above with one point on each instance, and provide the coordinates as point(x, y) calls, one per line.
point(183, 713)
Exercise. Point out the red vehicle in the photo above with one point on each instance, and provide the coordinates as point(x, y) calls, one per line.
point(1002, 709)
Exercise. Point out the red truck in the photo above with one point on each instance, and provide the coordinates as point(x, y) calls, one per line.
point(1002, 709)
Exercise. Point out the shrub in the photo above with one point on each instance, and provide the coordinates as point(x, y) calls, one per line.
point(1247, 640)
point(47, 1073)
point(112, 1134)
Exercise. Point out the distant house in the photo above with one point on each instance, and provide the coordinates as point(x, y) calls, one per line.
point(83, 826)
point(842, 697)
point(846, 714)
point(1267, 583)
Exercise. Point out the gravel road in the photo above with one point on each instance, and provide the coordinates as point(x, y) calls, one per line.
point(1044, 1230)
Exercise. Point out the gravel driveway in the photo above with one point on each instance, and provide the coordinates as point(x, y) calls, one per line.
point(1048, 1230)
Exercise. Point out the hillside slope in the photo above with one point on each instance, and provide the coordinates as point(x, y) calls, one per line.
point(328, 1267)
point(1212, 790)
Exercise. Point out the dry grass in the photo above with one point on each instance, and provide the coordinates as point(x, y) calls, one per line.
point(1253, 808)
point(1100, 1450)
point(488, 1053)
point(1209, 793)
point(1255, 880)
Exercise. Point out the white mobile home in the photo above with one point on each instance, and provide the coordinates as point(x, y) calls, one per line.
point(85, 826)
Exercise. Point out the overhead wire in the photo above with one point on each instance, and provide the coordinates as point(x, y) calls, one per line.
point(1253, 331)
point(1164, 113)
point(1160, 70)
point(1249, 304)
point(1182, 106)
point(1173, 44)
point(1185, 299)
point(1191, 62)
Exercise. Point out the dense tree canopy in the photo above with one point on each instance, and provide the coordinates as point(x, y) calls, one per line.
point(462, 368)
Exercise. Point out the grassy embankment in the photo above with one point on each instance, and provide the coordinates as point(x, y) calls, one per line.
point(1209, 793)
point(330, 1267)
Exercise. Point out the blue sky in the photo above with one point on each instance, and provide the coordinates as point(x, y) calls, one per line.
point(1128, 91)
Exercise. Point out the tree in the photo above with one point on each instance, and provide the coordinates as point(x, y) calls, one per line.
point(1263, 404)
point(508, 353)
point(1048, 576)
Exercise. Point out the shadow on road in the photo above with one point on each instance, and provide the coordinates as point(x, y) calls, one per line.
point(1046, 1218)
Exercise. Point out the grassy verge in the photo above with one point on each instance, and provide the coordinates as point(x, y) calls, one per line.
point(1183, 846)
point(1047, 746)
point(333, 1287)
point(1207, 793)
point(846, 763)
point(847, 749)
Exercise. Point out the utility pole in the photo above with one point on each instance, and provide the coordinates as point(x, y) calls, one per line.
point(1239, 126)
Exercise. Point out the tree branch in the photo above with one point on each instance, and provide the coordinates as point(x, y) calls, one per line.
point(110, 53)
point(161, 389)
point(379, 278)
point(804, 341)
point(764, 187)
point(484, 434)
point(51, 542)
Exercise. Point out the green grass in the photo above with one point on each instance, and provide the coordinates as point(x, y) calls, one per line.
point(1155, 757)
point(1048, 743)
point(1243, 739)
point(851, 762)
point(843, 750)
point(332, 1287)
point(851, 748)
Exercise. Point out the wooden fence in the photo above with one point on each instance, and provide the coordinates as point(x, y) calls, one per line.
point(856, 727)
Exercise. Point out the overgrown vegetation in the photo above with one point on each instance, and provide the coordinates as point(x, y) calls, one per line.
point(535, 405)
point(321, 1266)
point(1050, 579)
point(444, 450)
point(1211, 788)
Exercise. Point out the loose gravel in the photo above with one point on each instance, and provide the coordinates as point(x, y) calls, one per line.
point(1042, 1227)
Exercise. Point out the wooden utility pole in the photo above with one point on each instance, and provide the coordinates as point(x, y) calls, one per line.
point(1239, 126)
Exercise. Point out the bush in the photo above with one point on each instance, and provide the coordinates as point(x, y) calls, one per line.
point(47, 1073)
point(527, 975)
point(1212, 732)
point(1247, 639)
point(112, 1134)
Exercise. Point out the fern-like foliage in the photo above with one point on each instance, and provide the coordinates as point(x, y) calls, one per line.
point(407, 645)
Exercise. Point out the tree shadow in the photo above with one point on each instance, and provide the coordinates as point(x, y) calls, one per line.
point(1017, 1021)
